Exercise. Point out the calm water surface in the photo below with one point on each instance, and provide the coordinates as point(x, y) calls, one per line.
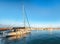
point(36, 37)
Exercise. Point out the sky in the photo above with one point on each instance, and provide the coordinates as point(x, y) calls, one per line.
point(40, 13)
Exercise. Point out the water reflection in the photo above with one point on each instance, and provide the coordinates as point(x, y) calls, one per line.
point(35, 37)
point(14, 40)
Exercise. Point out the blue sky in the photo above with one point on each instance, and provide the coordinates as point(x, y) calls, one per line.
point(39, 12)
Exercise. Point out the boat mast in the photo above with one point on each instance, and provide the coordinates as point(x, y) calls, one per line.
point(23, 16)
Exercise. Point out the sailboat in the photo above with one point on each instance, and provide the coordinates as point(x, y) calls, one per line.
point(18, 32)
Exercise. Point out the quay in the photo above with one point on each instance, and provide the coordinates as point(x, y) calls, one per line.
point(17, 32)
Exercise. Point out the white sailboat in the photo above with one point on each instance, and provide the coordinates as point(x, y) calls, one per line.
point(17, 32)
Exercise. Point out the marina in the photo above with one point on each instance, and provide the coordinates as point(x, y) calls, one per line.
point(29, 22)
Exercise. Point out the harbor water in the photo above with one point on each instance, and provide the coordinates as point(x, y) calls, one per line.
point(36, 37)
